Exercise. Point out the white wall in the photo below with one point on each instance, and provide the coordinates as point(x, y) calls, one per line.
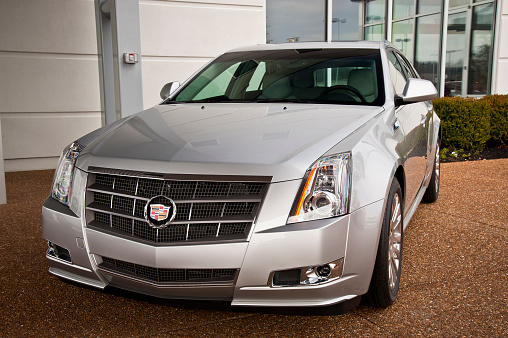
point(178, 37)
point(49, 91)
point(501, 80)
point(49, 87)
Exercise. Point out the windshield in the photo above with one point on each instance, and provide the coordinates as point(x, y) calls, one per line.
point(339, 76)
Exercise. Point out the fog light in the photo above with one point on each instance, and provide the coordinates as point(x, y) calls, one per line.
point(309, 275)
point(324, 270)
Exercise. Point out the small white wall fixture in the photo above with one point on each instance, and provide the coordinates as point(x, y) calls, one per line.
point(119, 48)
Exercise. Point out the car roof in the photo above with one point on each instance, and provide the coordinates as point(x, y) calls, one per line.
point(313, 45)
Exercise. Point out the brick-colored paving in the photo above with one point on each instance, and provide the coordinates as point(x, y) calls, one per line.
point(454, 280)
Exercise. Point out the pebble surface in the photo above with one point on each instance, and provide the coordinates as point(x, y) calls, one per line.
point(454, 280)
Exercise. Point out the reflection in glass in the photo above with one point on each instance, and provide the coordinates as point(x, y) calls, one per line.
point(374, 33)
point(455, 3)
point(295, 20)
point(455, 53)
point(402, 37)
point(403, 9)
point(346, 20)
point(428, 31)
point(481, 50)
point(375, 11)
point(429, 6)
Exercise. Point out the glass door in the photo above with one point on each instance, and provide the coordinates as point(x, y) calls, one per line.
point(481, 49)
point(469, 50)
point(457, 54)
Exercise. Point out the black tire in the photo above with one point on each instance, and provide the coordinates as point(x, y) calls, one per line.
point(384, 285)
point(432, 192)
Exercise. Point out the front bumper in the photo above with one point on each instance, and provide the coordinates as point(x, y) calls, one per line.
point(272, 246)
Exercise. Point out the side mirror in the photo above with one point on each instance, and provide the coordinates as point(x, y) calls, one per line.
point(168, 89)
point(418, 90)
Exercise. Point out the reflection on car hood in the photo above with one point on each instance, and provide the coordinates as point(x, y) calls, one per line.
point(278, 140)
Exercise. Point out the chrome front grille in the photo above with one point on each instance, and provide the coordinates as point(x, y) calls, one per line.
point(158, 275)
point(208, 209)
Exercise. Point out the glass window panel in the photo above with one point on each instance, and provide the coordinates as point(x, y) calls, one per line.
point(402, 37)
point(289, 76)
point(405, 64)
point(397, 75)
point(219, 86)
point(455, 3)
point(255, 81)
point(374, 33)
point(428, 32)
point(455, 53)
point(429, 6)
point(295, 20)
point(375, 11)
point(403, 8)
point(346, 20)
point(480, 53)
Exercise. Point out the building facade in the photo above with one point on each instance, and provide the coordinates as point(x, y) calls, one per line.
point(454, 43)
point(49, 67)
point(49, 93)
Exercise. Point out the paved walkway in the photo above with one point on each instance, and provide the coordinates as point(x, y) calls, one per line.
point(454, 280)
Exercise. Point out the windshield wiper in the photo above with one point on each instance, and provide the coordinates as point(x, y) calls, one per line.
point(221, 98)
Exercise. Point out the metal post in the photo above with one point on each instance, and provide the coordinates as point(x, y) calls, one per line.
point(119, 48)
point(444, 38)
point(389, 20)
point(497, 38)
point(328, 20)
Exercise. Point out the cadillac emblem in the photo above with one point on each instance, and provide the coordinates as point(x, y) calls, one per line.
point(160, 211)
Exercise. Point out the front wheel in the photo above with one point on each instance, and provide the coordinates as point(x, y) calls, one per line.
point(384, 285)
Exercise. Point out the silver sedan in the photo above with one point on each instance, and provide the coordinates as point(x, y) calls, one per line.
point(277, 175)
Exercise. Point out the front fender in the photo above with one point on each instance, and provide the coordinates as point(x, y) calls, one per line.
point(376, 159)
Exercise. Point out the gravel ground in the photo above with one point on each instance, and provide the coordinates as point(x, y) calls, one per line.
point(454, 280)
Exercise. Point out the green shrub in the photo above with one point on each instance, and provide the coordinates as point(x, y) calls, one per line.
point(498, 117)
point(465, 122)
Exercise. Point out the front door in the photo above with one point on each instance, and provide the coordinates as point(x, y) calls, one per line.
point(414, 121)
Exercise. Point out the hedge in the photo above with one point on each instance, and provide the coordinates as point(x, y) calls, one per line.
point(498, 117)
point(469, 123)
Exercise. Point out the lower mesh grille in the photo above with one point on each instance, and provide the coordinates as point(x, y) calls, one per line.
point(287, 277)
point(158, 275)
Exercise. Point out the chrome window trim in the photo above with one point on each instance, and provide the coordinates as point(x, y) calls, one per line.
point(179, 177)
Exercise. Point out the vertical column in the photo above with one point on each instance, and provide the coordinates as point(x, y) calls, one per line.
point(3, 193)
point(106, 73)
point(389, 19)
point(497, 39)
point(117, 23)
point(444, 37)
point(328, 19)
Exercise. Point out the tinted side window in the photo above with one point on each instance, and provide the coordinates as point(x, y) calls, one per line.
point(397, 75)
point(409, 70)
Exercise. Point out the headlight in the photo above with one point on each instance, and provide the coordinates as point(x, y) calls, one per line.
point(62, 181)
point(325, 190)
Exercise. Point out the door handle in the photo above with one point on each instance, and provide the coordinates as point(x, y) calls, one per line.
point(423, 120)
point(396, 125)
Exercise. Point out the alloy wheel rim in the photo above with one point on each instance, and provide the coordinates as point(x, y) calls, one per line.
point(395, 238)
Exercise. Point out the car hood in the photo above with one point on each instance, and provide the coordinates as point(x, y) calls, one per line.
point(276, 140)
